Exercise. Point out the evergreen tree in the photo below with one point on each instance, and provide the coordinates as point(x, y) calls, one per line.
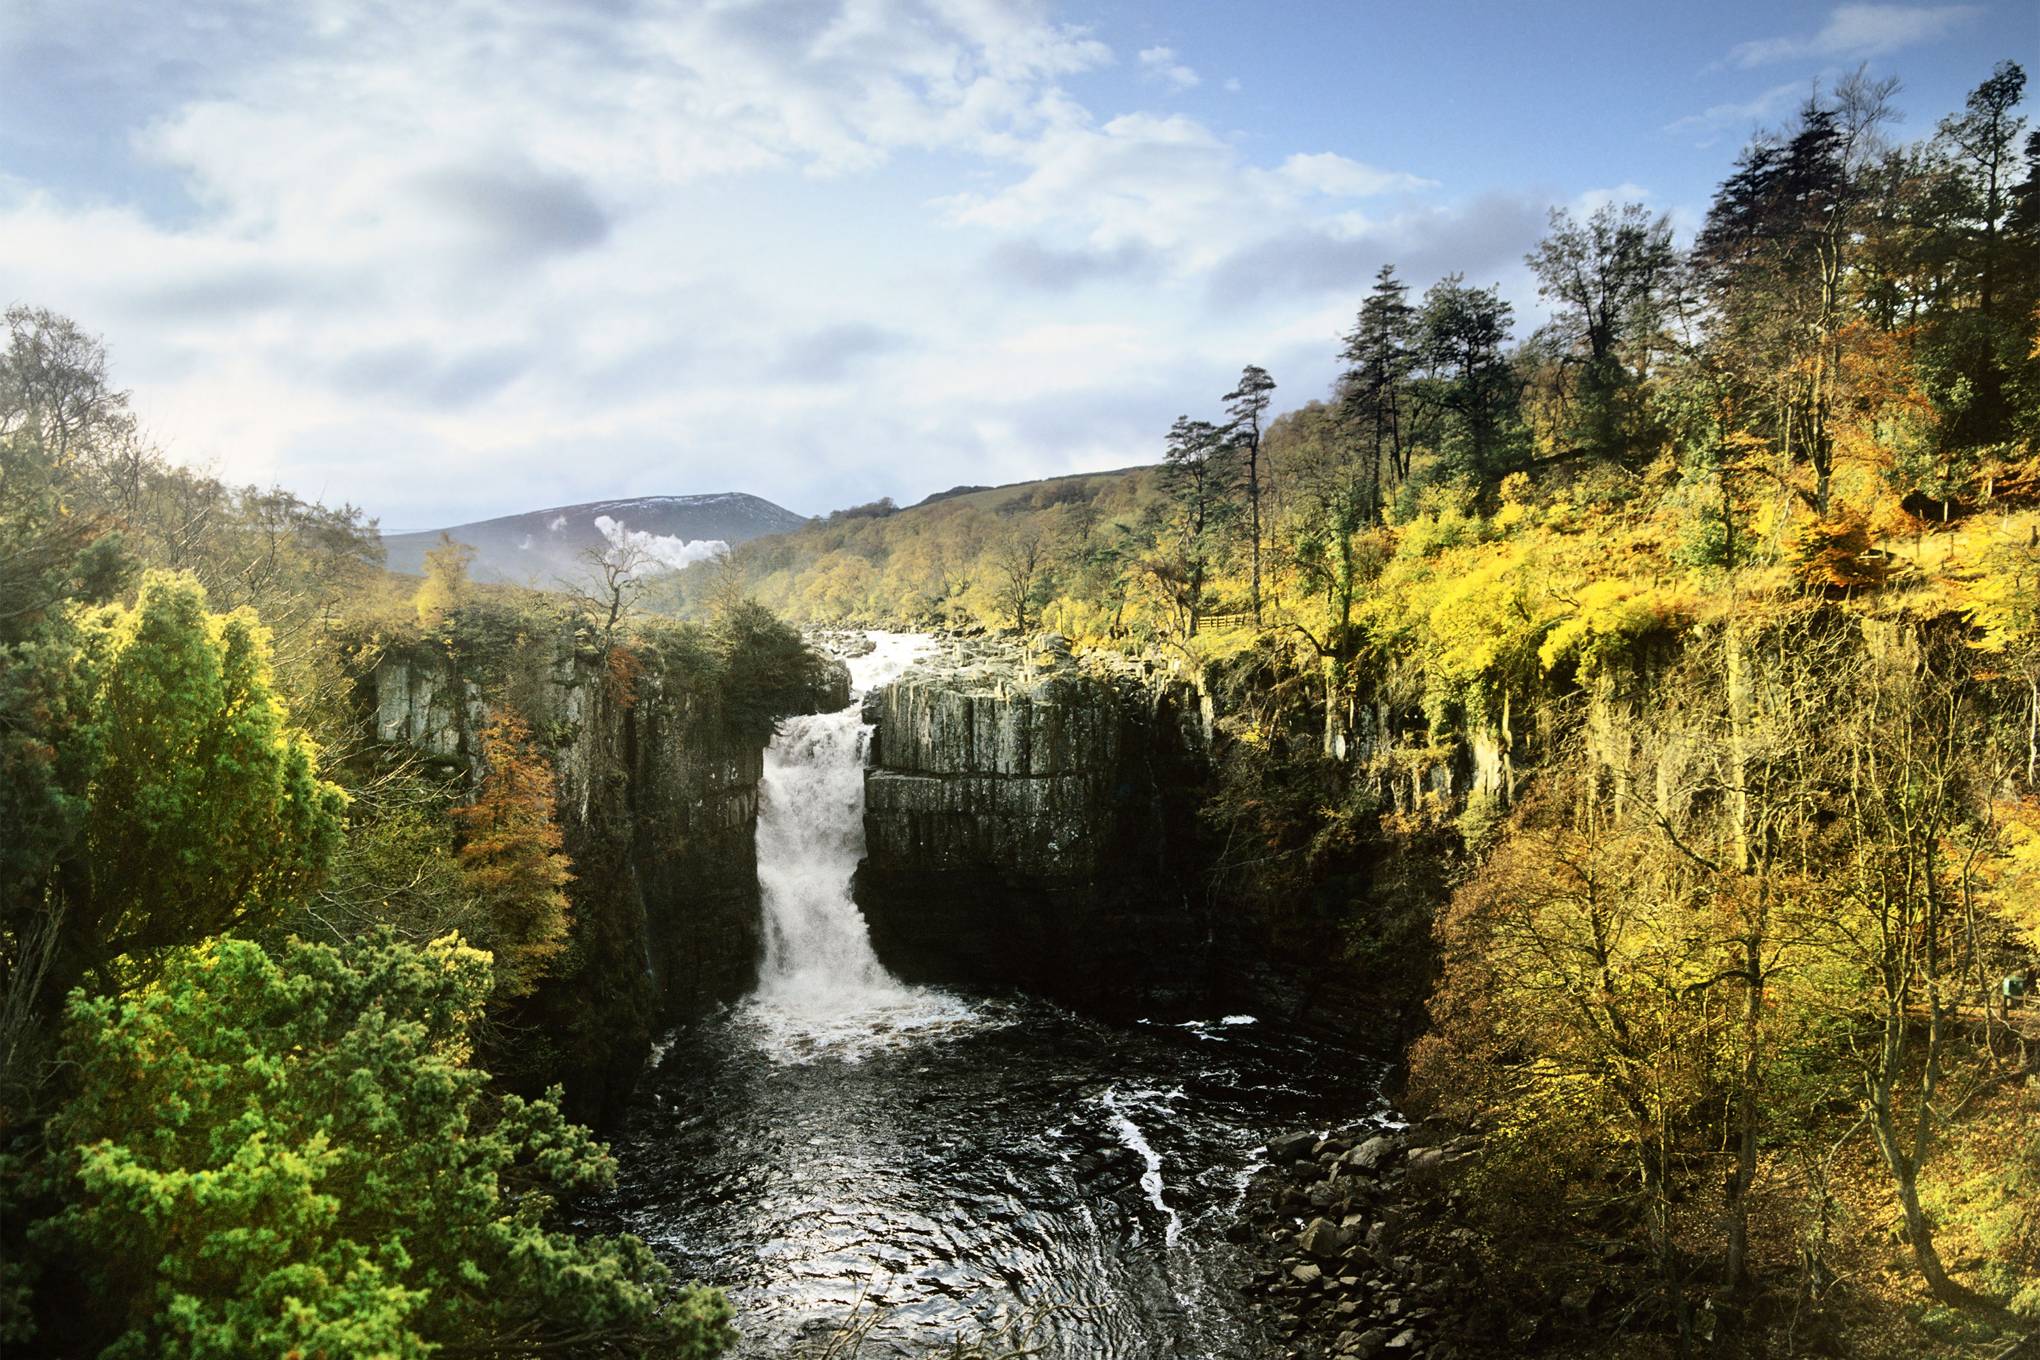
point(1379, 361)
point(1201, 481)
point(1980, 331)
point(1468, 378)
point(190, 805)
point(293, 1156)
point(1246, 405)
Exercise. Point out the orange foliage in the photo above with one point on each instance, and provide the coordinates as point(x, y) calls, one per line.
point(625, 666)
point(1836, 554)
point(511, 856)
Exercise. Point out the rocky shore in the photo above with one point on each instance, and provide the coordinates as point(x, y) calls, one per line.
point(1358, 1255)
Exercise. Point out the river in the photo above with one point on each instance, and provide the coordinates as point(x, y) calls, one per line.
point(842, 1147)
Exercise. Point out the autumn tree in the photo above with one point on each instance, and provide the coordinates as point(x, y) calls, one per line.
point(446, 584)
point(1566, 1019)
point(55, 395)
point(2004, 606)
point(1912, 831)
point(1021, 562)
point(510, 855)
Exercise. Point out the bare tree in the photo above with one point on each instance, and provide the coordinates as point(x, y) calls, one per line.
point(1912, 843)
point(615, 580)
point(1021, 562)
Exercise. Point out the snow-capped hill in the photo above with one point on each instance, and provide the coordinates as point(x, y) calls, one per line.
point(545, 547)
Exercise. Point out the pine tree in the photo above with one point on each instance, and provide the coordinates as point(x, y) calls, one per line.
point(1246, 405)
point(1201, 481)
point(1379, 362)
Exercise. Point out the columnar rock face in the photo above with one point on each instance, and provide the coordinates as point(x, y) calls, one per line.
point(1014, 771)
point(1032, 821)
point(658, 803)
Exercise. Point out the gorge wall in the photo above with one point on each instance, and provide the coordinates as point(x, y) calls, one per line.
point(657, 787)
point(1032, 822)
point(1046, 823)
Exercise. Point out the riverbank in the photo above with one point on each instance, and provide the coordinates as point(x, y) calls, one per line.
point(1354, 1248)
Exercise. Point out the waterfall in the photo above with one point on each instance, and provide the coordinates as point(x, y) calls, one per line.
point(822, 991)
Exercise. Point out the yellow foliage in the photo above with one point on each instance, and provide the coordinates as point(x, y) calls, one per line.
point(2003, 596)
point(2015, 879)
point(1611, 617)
point(446, 580)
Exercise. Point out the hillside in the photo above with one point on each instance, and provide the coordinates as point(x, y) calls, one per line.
point(542, 546)
point(971, 555)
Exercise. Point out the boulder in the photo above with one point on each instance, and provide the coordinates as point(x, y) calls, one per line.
point(1427, 1165)
point(1364, 1344)
point(1291, 1147)
point(1372, 1154)
point(1322, 1239)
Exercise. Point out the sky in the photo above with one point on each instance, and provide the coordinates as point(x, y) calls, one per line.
point(446, 259)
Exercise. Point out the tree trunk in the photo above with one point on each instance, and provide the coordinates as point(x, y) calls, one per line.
point(1254, 505)
point(1746, 1116)
point(1904, 1169)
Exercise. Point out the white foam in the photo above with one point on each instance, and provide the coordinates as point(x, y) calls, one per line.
point(822, 991)
point(1131, 1136)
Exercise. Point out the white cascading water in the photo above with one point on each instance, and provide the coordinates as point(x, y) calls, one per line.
point(822, 991)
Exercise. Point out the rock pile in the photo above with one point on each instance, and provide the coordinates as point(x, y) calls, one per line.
point(1357, 1255)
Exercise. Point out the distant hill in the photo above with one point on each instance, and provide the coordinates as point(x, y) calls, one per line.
point(952, 557)
point(542, 547)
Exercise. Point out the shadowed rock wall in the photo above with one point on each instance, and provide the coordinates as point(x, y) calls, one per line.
point(1034, 824)
point(658, 804)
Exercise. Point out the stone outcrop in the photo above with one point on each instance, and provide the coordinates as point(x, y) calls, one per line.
point(1357, 1250)
point(1030, 820)
point(658, 801)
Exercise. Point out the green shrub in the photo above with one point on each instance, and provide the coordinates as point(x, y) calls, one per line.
point(292, 1155)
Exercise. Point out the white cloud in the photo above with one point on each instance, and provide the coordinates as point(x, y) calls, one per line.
point(448, 261)
point(665, 549)
point(1326, 172)
point(1168, 183)
point(1590, 201)
point(1160, 63)
point(1853, 32)
point(1738, 115)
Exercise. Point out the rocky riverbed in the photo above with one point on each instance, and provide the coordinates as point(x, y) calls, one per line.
point(1357, 1251)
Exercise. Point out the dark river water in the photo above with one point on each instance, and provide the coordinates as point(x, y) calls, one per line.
point(974, 1171)
point(844, 1146)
